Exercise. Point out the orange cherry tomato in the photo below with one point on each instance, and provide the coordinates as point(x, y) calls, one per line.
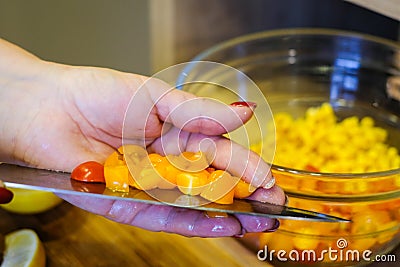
point(192, 183)
point(227, 198)
point(220, 188)
point(90, 171)
point(192, 156)
point(117, 178)
point(171, 173)
point(156, 171)
point(210, 169)
point(115, 159)
point(156, 159)
point(159, 163)
point(190, 161)
point(243, 189)
point(116, 172)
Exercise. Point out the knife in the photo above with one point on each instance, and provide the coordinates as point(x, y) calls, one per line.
point(15, 176)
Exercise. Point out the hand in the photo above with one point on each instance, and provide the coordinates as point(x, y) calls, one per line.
point(66, 115)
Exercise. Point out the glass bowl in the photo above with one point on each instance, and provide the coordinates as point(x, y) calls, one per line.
point(295, 69)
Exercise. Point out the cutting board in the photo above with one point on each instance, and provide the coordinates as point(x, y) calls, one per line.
point(73, 237)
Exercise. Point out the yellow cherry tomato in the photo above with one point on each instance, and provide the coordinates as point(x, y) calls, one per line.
point(192, 183)
point(221, 187)
point(117, 178)
point(243, 189)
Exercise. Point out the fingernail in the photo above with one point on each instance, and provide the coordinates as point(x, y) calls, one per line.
point(5, 195)
point(242, 233)
point(251, 105)
point(274, 228)
point(270, 184)
point(286, 200)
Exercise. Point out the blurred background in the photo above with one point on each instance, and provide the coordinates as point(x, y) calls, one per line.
point(145, 36)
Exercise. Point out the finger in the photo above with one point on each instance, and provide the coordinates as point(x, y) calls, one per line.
point(234, 158)
point(156, 105)
point(196, 114)
point(254, 224)
point(206, 115)
point(274, 195)
point(159, 218)
point(186, 222)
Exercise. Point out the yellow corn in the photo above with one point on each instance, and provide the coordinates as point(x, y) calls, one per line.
point(352, 145)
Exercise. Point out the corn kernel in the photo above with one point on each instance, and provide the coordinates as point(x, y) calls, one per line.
point(318, 139)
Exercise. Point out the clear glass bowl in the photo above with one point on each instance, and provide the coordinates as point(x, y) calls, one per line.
point(358, 75)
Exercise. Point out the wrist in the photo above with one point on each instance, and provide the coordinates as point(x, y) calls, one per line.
point(22, 79)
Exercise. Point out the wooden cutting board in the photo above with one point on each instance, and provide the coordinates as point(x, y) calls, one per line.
point(74, 238)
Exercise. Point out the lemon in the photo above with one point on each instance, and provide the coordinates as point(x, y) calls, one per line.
point(23, 248)
point(31, 201)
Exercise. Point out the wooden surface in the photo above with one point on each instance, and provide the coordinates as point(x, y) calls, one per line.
point(74, 238)
point(390, 8)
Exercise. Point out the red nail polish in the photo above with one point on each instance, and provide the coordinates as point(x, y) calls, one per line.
point(274, 227)
point(5, 195)
point(241, 234)
point(251, 105)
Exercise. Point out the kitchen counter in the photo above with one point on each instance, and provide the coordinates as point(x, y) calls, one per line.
point(74, 238)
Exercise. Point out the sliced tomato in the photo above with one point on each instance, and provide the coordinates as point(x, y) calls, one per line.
point(311, 168)
point(90, 171)
point(5, 195)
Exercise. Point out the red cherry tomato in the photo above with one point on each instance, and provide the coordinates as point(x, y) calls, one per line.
point(5, 195)
point(88, 187)
point(90, 171)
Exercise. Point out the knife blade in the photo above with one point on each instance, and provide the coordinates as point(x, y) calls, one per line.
point(15, 176)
